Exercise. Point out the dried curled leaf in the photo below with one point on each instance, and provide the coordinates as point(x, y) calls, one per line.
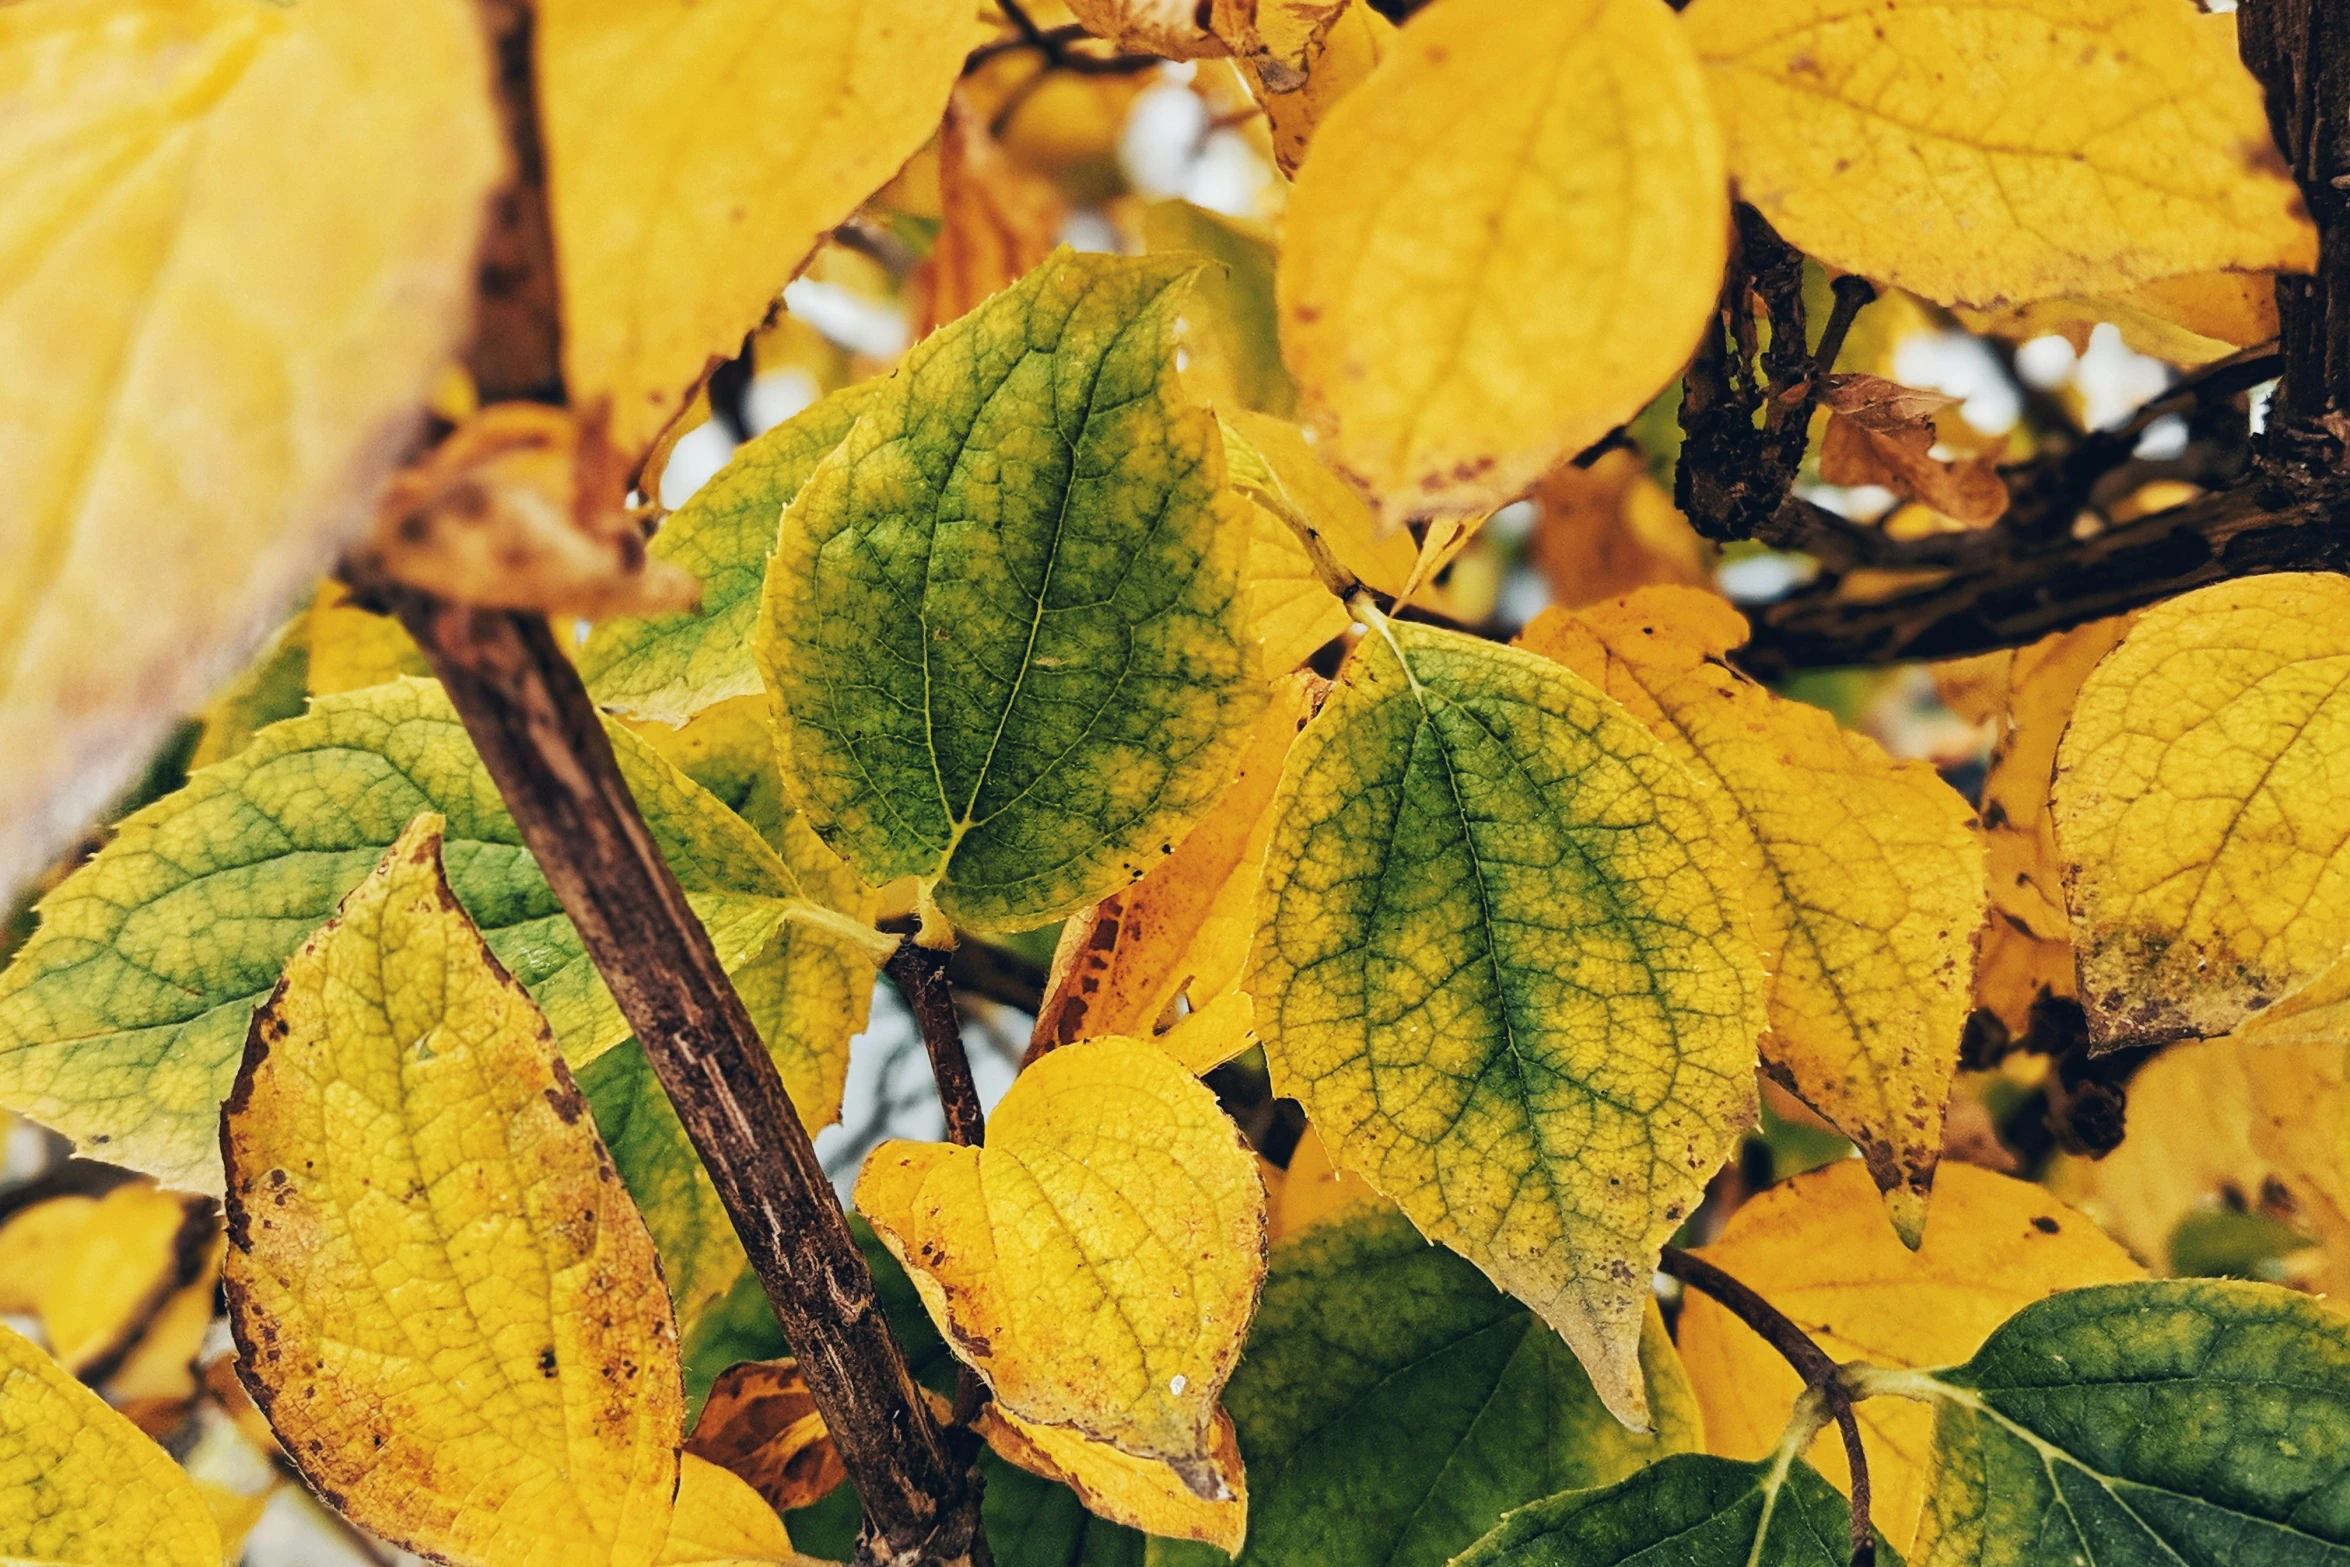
point(525, 507)
point(1868, 879)
point(1502, 960)
point(2200, 808)
point(1981, 152)
point(1815, 1248)
point(1176, 29)
point(1084, 1309)
point(85, 1488)
point(1276, 41)
point(1351, 50)
point(668, 257)
point(1883, 433)
point(226, 295)
point(443, 1297)
point(760, 1424)
point(1479, 275)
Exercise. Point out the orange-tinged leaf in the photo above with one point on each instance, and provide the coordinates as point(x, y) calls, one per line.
point(674, 238)
point(1609, 529)
point(1082, 1307)
point(1142, 1493)
point(227, 292)
point(445, 1301)
point(1184, 929)
point(721, 1522)
point(1867, 884)
point(1815, 1248)
point(760, 1424)
point(1312, 1189)
point(1000, 219)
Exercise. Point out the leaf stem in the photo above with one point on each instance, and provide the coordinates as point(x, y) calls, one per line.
point(542, 741)
point(1819, 1370)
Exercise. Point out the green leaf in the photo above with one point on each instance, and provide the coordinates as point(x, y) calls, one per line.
point(1231, 325)
point(1392, 1404)
point(1004, 630)
point(700, 1256)
point(2204, 1422)
point(1689, 1511)
point(1503, 960)
point(670, 667)
point(123, 1018)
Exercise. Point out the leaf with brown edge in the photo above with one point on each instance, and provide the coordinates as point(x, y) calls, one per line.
point(1182, 932)
point(1814, 1248)
point(761, 1424)
point(1351, 48)
point(1867, 878)
point(444, 1300)
point(1085, 1310)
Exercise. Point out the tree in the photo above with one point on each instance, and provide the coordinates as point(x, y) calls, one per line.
point(494, 978)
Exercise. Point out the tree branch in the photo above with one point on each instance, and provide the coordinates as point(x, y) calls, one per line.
point(539, 735)
point(1812, 1363)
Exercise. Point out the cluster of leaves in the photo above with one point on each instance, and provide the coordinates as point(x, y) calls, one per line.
point(1027, 631)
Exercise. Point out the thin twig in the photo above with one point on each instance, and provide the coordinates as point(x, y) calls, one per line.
point(920, 973)
point(1817, 1368)
point(1055, 45)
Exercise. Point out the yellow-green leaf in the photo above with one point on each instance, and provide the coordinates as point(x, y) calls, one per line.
point(1502, 959)
point(1003, 634)
point(80, 1486)
point(670, 667)
point(1483, 272)
point(674, 236)
point(1084, 1306)
point(226, 295)
point(1140, 1493)
point(445, 1301)
point(122, 1018)
point(1984, 152)
point(1815, 1248)
point(1868, 884)
point(2201, 812)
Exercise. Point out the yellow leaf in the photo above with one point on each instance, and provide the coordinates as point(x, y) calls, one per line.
point(32, 1245)
point(1813, 1248)
point(675, 235)
point(1868, 885)
point(446, 1303)
point(1118, 1320)
point(1353, 47)
point(2199, 807)
point(1981, 152)
point(1481, 275)
point(1184, 929)
point(760, 1424)
point(1000, 218)
point(1291, 609)
point(1610, 528)
point(1313, 1188)
point(238, 243)
point(102, 1287)
point(2188, 320)
point(2027, 950)
point(1290, 612)
point(85, 1488)
point(352, 648)
point(1502, 959)
point(721, 1522)
point(1141, 1493)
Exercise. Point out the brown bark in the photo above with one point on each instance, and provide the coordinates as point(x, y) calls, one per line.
point(532, 722)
